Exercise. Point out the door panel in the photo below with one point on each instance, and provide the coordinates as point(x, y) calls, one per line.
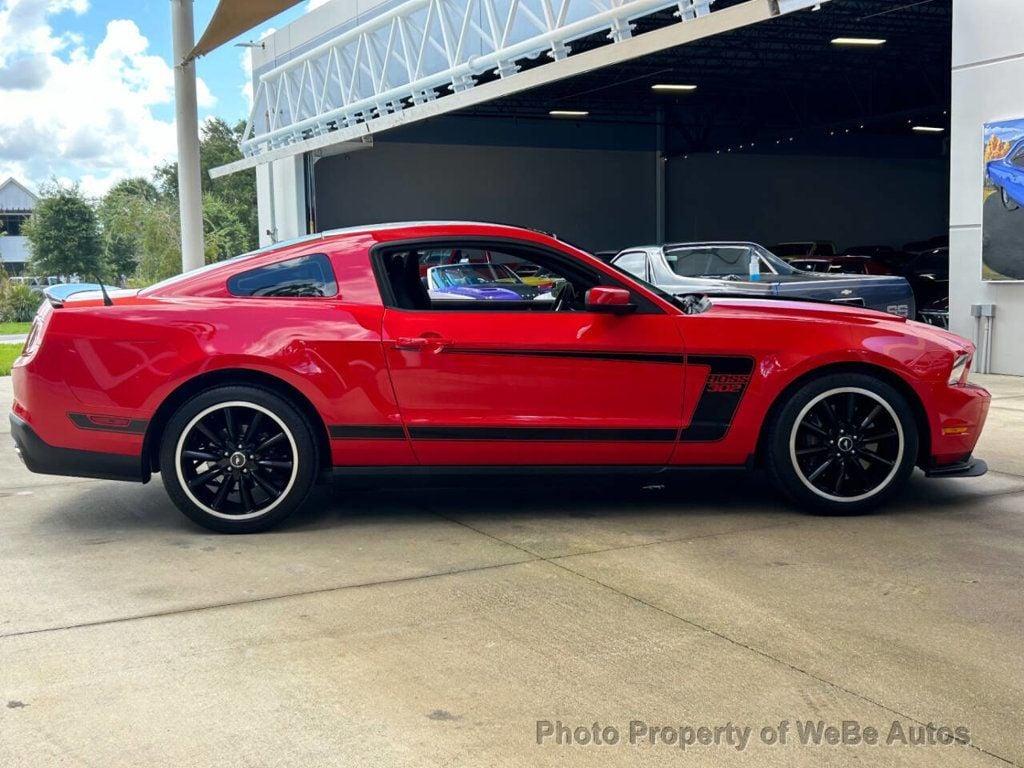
point(522, 388)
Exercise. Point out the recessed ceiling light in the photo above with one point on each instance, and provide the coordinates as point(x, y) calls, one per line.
point(673, 87)
point(928, 129)
point(858, 41)
point(568, 113)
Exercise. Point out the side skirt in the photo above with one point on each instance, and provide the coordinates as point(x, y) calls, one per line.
point(538, 469)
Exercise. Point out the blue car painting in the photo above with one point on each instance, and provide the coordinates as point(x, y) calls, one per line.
point(478, 282)
point(1007, 176)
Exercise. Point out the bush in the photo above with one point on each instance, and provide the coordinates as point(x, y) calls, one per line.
point(18, 303)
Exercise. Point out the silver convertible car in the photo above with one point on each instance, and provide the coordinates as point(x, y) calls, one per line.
point(750, 269)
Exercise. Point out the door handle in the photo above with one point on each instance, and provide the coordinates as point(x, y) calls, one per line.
point(426, 340)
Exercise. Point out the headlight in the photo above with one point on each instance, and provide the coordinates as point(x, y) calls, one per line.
point(958, 374)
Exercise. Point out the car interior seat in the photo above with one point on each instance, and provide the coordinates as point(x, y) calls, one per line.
point(403, 270)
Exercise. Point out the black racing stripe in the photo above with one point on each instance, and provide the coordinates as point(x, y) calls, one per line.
point(365, 432)
point(89, 421)
point(724, 388)
point(566, 434)
point(629, 357)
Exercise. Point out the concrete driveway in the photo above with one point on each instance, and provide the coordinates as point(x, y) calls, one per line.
point(436, 627)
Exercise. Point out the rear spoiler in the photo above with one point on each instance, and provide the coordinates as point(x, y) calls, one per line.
point(58, 294)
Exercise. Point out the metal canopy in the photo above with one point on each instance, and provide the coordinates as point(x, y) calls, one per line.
point(234, 17)
point(428, 57)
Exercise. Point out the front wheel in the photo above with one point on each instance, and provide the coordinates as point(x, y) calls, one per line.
point(1008, 202)
point(238, 459)
point(843, 444)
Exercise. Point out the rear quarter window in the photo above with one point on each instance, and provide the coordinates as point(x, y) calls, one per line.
point(303, 276)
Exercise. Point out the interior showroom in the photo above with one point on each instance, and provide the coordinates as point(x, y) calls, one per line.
point(514, 383)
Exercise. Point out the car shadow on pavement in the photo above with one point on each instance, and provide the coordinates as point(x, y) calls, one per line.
point(103, 508)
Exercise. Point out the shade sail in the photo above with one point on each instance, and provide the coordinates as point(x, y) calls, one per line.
point(234, 17)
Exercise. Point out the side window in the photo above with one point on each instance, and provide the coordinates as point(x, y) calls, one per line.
point(301, 276)
point(634, 262)
point(1018, 159)
point(475, 277)
point(476, 274)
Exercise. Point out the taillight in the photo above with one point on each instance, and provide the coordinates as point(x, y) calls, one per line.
point(35, 335)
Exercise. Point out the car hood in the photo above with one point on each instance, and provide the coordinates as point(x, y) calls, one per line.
point(744, 285)
point(759, 308)
point(831, 279)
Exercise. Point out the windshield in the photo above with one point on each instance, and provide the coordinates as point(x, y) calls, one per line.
point(934, 261)
point(473, 274)
point(722, 261)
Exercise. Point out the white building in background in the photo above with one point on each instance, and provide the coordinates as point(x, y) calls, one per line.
point(988, 72)
point(16, 204)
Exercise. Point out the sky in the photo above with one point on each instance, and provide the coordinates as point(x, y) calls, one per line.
point(87, 87)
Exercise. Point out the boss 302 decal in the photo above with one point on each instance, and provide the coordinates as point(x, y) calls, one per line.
point(724, 388)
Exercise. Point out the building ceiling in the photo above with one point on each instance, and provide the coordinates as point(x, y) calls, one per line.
point(780, 84)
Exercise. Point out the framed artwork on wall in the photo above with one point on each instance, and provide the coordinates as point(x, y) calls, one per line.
point(1002, 223)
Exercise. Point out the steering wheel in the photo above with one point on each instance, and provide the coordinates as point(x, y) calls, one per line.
point(565, 297)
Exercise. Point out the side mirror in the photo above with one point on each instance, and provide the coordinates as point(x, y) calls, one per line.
point(614, 301)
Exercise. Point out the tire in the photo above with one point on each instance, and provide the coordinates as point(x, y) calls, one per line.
point(1008, 203)
point(252, 482)
point(840, 464)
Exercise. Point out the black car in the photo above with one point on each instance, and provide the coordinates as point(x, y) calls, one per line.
point(928, 275)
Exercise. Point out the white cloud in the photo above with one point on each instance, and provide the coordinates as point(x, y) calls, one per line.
point(69, 112)
point(245, 60)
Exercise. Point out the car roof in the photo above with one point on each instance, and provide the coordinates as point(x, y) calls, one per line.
point(695, 244)
point(705, 243)
point(187, 278)
point(329, 234)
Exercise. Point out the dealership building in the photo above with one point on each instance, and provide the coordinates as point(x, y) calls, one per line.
point(852, 122)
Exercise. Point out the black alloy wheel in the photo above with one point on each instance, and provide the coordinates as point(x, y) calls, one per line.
point(842, 443)
point(238, 459)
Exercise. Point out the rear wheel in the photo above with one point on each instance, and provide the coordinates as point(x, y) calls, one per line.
point(238, 459)
point(843, 443)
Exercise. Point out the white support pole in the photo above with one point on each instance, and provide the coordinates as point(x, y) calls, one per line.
point(660, 170)
point(186, 118)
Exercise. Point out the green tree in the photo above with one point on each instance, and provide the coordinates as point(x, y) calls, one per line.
point(225, 234)
point(120, 212)
point(159, 242)
point(233, 197)
point(18, 303)
point(64, 233)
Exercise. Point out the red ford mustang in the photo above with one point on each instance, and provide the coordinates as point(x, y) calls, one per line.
point(244, 381)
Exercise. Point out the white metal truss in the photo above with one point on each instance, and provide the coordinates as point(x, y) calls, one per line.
point(422, 50)
point(388, 72)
